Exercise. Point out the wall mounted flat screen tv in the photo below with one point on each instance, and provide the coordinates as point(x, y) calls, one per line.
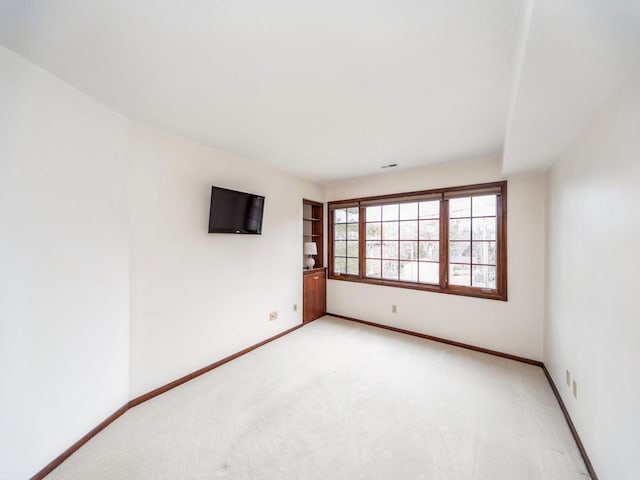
point(235, 212)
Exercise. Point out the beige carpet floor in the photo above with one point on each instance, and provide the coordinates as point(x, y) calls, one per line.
point(340, 400)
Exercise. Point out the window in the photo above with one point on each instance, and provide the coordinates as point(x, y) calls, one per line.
point(403, 241)
point(345, 236)
point(446, 240)
point(472, 241)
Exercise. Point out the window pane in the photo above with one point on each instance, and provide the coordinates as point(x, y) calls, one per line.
point(390, 269)
point(430, 251)
point(352, 266)
point(429, 272)
point(390, 212)
point(429, 229)
point(340, 232)
point(430, 209)
point(409, 251)
point(340, 265)
point(460, 275)
point(374, 268)
point(409, 230)
point(484, 228)
point(484, 252)
point(390, 230)
point(408, 211)
point(460, 207)
point(460, 252)
point(484, 206)
point(374, 231)
point(460, 229)
point(352, 214)
point(340, 215)
point(409, 271)
point(484, 277)
point(390, 250)
point(374, 214)
point(374, 249)
point(352, 249)
point(340, 249)
point(352, 231)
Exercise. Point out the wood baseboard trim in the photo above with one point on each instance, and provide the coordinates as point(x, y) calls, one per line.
point(442, 340)
point(147, 396)
point(572, 427)
point(158, 391)
point(73, 448)
point(536, 363)
point(165, 388)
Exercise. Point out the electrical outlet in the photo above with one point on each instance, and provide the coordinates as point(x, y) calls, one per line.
point(575, 390)
point(568, 376)
point(295, 307)
point(394, 309)
point(273, 316)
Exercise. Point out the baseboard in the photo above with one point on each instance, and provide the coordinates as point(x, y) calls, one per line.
point(165, 388)
point(147, 396)
point(572, 427)
point(574, 432)
point(442, 340)
point(72, 449)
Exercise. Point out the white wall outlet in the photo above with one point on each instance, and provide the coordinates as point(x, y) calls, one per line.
point(568, 378)
point(394, 309)
point(295, 307)
point(575, 390)
point(273, 316)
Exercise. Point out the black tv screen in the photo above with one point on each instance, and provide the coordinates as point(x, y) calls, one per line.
point(235, 212)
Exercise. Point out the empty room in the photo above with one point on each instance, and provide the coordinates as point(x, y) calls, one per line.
point(319, 240)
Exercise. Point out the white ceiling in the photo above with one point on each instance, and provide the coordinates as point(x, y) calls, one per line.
point(335, 89)
point(575, 52)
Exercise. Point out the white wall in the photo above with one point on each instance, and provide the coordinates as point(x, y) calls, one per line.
point(198, 297)
point(593, 316)
point(110, 285)
point(513, 327)
point(64, 277)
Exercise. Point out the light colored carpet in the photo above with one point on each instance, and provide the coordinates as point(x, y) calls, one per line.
point(340, 400)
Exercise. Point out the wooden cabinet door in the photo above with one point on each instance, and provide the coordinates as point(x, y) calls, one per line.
point(308, 301)
point(314, 295)
point(321, 295)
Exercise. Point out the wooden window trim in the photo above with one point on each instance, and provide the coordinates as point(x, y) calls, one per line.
point(499, 293)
